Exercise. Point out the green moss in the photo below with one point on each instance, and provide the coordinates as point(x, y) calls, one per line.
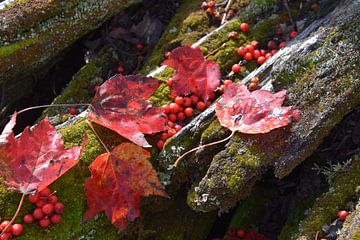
point(262, 30)
point(160, 96)
point(356, 235)
point(14, 47)
point(213, 131)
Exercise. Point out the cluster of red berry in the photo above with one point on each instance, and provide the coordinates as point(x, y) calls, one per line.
point(13, 230)
point(183, 107)
point(236, 234)
point(47, 210)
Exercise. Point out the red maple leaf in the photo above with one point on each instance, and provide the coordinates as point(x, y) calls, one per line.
point(194, 74)
point(8, 129)
point(36, 159)
point(254, 112)
point(120, 104)
point(118, 182)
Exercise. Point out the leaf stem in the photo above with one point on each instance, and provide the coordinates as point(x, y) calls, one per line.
point(177, 162)
point(98, 137)
point(55, 105)
point(16, 213)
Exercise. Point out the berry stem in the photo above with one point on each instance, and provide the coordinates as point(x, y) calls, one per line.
point(177, 162)
point(215, 50)
point(98, 137)
point(55, 105)
point(16, 213)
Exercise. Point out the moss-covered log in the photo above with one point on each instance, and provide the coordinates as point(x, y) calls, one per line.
point(33, 33)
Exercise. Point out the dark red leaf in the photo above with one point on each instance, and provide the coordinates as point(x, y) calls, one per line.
point(8, 129)
point(36, 159)
point(194, 74)
point(120, 104)
point(254, 112)
point(118, 182)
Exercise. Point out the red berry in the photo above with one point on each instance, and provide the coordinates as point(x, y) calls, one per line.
point(244, 27)
point(44, 222)
point(293, 34)
point(171, 132)
point(282, 44)
point(164, 136)
point(227, 83)
point(261, 60)
point(188, 111)
point(177, 127)
point(73, 111)
point(230, 232)
point(240, 233)
point(207, 104)
point(273, 51)
point(17, 229)
point(268, 55)
point(167, 54)
point(52, 199)
point(241, 51)
point(210, 11)
point(28, 218)
point(172, 94)
point(47, 208)
point(166, 108)
point(255, 44)
point(59, 207)
point(172, 117)
point(256, 54)
point(186, 101)
point(139, 47)
point(120, 69)
point(171, 124)
point(249, 48)
point(160, 144)
point(200, 106)
point(233, 35)
point(174, 108)
point(230, 14)
point(194, 99)
point(211, 4)
point(33, 198)
point(342, 215)
point(263, 52)
point(45, 192)
point(248, 56)
point(179, 100)
point(4, 224)
point(38, 213)
point(170, 82)
point(40, 203)
point(204, 5)
point(236, 68)
point(271, 44)
point(6, 236)
point(55, 218)
point(181, 116)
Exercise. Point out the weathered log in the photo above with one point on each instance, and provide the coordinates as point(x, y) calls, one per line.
point(33, 33)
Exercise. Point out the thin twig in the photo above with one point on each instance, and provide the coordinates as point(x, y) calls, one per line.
point(226, 10)
point(55, 105)
point(215, 50)
point(177, 162)
point(15, 215)
point(289, 14)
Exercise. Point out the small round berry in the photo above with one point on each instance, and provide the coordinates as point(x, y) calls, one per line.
point(47, 208)
point(139, 47)
point(207, 104)
point(17, 229)
point(230, 14)
point(252, 86)
point(181, 116)
point(33, 198)
point(200, 106)
point(55, 218)
point(52, 199)
point(73, 111)
point(233, 35)
point(210, 11)
point(261, 60)
point(179, 100)
point(4, 224)
point(227, 82)
point(44, 222)
point(172, 94)
point(59, 207)
point(6, 236)
point(194, 99)
point(342, 215)
point(166, 108)
point(236, 68)
point(177, 127)
point(217, 16)
point(171, 132)
point(240, 233)
point(28, 219)
point(241, 51)
point(248, 56)
point(160, 144)
point(171, 124)
point(164, 136)
point(314, 6)
point(204, 5)
point(255, 44)
point(293, 34)
point(282, 44)
point(262, 52)
point(186, 102)
point(244, 27)
point(172, 117)
point(120, 69)
point(40, 203)
point(211, 4)
point(231, 232)
point(38, 213)
point(255, 80)
point(271, 44)
point(45, 192)
point(268, 55)
point(167, 54)
point(256, 54)
point(249, 48)
point(170, 82)
point(188, 111)
point(174, 108)
point(273, 52)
